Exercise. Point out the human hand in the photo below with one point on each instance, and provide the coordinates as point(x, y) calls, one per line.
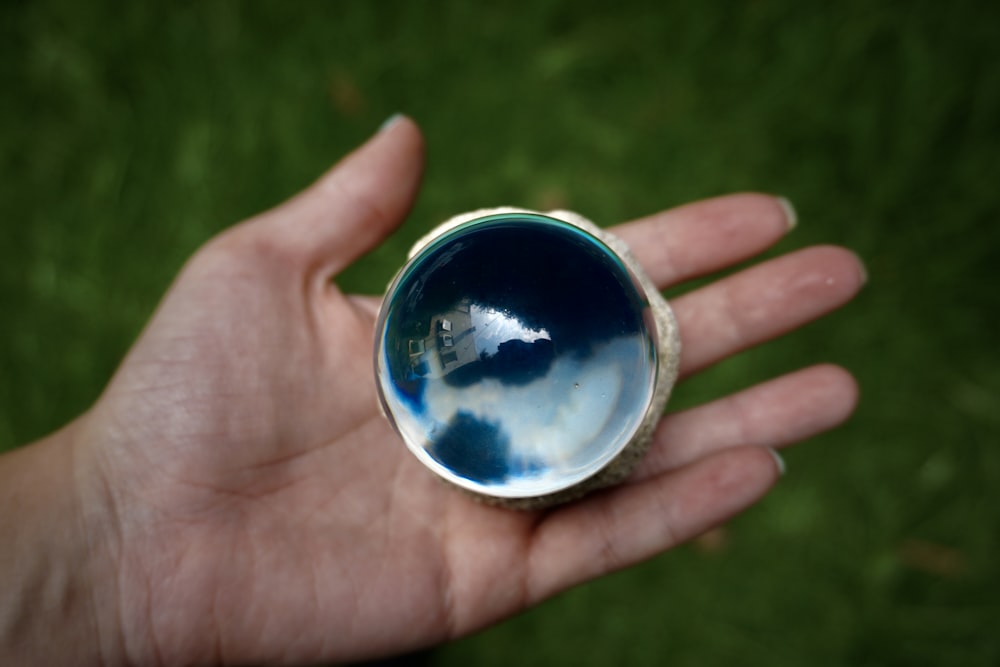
point(256, 507)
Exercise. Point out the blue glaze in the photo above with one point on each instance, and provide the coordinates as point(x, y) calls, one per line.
point(516, 355)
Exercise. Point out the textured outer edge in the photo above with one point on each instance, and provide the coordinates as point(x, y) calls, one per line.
point(668, 348)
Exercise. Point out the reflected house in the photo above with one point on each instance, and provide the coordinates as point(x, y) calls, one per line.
point(450, 343)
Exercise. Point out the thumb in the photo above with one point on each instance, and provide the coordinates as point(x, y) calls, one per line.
point(357, 203)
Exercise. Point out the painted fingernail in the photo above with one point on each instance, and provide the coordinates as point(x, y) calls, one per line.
point(791, 217)
point(778, 461)
point(390, 121)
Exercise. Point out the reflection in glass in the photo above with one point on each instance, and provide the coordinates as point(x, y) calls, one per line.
point(516, 356)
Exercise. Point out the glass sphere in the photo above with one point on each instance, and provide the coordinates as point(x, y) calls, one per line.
point(516, 355)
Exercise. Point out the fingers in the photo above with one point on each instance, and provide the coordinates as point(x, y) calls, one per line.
point(772, 414)
point(613, 530)
point(702, 237)
point(356, 204)
point(706, 236)
point(763, 302)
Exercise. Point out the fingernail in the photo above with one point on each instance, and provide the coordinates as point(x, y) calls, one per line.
point(390, 121)
point(779, 461)
point(863, 270)
point(791, 217)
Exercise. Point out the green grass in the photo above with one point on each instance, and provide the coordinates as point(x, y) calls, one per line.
point(130, 134)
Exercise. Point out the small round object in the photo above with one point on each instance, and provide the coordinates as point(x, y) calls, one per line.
point(518, 356)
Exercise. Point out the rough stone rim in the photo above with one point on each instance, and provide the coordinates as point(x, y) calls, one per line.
point(668, 364)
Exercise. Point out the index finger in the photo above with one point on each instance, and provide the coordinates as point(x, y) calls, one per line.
point(699, 238)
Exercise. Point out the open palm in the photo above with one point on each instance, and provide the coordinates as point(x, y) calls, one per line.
point(265, 511)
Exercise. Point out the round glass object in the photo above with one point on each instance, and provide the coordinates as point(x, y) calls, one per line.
point(516, 355)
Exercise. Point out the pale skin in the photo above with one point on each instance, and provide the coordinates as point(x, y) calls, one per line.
point(234, 495)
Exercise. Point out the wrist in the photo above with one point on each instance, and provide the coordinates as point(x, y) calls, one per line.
point(57, 568)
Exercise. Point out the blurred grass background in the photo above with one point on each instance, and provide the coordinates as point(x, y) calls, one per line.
point(132, 132)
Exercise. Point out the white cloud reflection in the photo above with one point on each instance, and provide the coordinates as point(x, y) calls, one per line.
point(494, 327)
point(558, 424)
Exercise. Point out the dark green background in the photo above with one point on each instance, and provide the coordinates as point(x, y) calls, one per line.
point(130, 134)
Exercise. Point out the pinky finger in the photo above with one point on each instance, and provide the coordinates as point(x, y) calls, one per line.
point(631, 523)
